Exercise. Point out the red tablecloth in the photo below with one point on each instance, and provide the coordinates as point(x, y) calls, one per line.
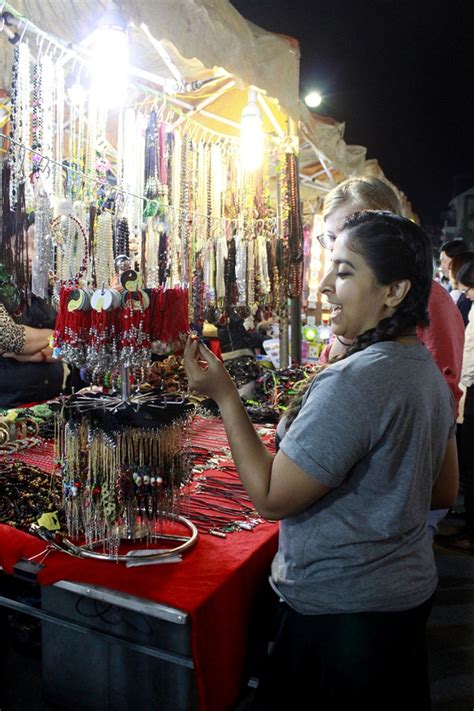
point(215, 584)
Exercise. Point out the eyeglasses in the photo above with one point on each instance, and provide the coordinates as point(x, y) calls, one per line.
point(466, 290)
point(326, 241)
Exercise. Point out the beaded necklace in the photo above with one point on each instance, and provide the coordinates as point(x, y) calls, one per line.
point(37, 117)
point(184, 207)
point(152, 239)
point(103, 250)
point(295, 228)
point(43, 247)
point(174, 245)
point(122, 234)
point(151, 157)
point(59, 128)
point(240, 266)
point(19, 120)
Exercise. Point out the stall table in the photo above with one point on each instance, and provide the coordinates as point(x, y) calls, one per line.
point(199, 611)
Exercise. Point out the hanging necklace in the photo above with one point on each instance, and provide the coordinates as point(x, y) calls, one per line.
point(103, 250)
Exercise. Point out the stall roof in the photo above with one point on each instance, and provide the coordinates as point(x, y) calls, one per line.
point(200, 35)
point(208, 40)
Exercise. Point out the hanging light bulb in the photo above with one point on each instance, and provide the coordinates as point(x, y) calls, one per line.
point(251, 134)
point(75, 89)
point(77, 95)
point(110, 58)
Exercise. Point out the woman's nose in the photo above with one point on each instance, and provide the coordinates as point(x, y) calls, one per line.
point(326, 284)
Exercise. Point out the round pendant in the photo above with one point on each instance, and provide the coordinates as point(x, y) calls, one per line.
point(130, 280)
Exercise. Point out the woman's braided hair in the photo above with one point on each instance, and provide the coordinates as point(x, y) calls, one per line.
point(395, 249)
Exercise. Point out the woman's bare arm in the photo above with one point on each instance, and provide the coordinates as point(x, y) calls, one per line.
point(275, 484)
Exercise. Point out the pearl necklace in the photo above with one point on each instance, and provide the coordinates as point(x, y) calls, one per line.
point(104, 251)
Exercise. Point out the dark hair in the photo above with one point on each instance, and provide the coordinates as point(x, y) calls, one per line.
point(466, 274)
point(458, 261)
point(453, 247)
point(395, 248)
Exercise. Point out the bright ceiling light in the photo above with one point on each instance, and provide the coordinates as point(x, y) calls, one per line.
point(110, 58)
point(251, 134)
point(313, 99)
point(77, 94)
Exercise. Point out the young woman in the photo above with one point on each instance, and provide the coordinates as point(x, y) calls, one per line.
point(368, 453)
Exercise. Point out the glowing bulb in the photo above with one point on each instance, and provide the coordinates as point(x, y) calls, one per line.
point(77, 95)
point(313, 99)
point(110, 62)
point(251, 134)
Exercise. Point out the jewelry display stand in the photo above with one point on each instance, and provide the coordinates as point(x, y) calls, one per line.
point(128, 531)
point(121, 479)
point(183, 543)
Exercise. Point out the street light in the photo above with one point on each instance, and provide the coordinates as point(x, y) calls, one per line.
point(313, 99)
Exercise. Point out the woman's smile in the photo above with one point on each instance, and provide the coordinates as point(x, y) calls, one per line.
point(358, 301)
point(336, 309)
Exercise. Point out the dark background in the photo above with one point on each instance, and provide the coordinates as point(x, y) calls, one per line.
point(400, 74)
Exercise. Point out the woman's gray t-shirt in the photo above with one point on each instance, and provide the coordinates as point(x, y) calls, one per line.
point(374, 428)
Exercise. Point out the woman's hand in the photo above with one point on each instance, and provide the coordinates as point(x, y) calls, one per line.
point(43, 356)
point(36, 340)
point(206, 373)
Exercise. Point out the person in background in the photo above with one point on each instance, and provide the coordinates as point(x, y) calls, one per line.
point(264, 333)
point(460, 299)
point(368, 450)
point(16, 339)
point(464, 540)
point(446, 252)
point(27, 371)
point(233, 335)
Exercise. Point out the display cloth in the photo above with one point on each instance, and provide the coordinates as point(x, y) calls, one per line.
point(216, 583)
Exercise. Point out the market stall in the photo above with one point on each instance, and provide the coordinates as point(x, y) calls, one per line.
point(155, 195)
point(136, 196)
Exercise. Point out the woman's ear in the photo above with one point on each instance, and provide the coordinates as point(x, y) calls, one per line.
point(397, 291)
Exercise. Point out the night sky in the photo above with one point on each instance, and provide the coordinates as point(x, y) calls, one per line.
point(400, 74)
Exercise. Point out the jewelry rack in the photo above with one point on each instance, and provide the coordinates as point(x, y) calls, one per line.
point(270, 223)
point(215, 217)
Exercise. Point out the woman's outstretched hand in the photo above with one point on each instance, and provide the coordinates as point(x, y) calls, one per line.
point(43, 356)
point(206, 373)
